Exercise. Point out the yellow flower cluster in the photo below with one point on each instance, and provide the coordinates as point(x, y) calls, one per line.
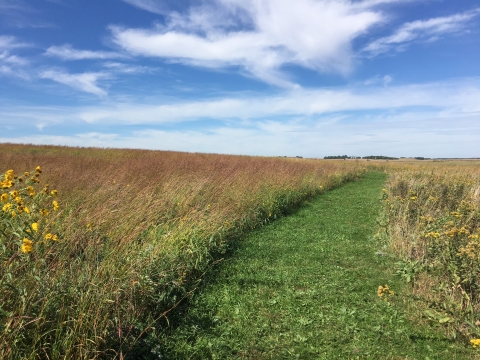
point(8, 180)
point(432, 234)
point(472, 249)
point(475, 343)
point(23, 207)
point(384, 292)
point(27, 245)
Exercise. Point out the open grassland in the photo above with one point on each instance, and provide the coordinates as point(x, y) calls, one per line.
point(307, 287)
point(431, 222)
point(94, 262)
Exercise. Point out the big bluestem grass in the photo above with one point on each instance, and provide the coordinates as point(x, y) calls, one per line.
point(138, 230)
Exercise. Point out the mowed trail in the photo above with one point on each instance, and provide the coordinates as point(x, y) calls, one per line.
point(305, 287)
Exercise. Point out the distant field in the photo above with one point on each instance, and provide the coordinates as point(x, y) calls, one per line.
point(93, 269)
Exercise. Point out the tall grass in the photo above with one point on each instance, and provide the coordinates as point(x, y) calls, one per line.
point(137, 229)
point(432, 218)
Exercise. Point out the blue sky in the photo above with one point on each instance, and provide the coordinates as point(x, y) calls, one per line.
point(256, 77)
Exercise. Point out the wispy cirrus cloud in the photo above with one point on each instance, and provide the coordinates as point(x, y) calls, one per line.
point(10, 64)
point(8, 42)
point(159, 7)
point(260, 37)
point(458, 96)
point(421, 30)
point(67, 52)
point(431, 135)
point(123, 68)
point(86, 82)
point(434, 119)
point(20, 14)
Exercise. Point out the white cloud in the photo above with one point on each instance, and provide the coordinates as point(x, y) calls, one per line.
point(86, 82)
point(427, 30)
point(376, 80)
point(10, 42)
point(12, 65)
point(153, 6)
point(461, 95)
point(434, 120)
point(12, 59)
point(260, 36)
point(67, 52)
point(408, 134)
point(128, 68)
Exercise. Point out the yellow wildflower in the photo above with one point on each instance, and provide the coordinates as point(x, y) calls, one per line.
point(475, 342)
point(31, 190)
point(54, 192)
point(18, 200)
point(55, 205)
point(14, 213)
point(6, 207)
point(27, 246)
point(35, 226)
point(14, 193)
point(55, 238)
point(44, 212)
point(38, 169)
point(27, 210)
point(48, 236)
point(4, 198)
point(26, 173)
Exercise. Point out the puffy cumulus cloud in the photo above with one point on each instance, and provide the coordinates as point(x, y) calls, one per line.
point(67, 52)
point(86, 82)
point(260, 36)
point(426, 30)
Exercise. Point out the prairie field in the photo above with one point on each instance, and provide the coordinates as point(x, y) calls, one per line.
point(99, 246)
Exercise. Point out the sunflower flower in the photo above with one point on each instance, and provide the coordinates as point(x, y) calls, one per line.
point(27, 246)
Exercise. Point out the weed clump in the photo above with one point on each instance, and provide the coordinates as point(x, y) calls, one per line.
point(433, 224)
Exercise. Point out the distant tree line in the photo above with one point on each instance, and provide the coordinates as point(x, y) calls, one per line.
point(359, 157)
point(373, 157)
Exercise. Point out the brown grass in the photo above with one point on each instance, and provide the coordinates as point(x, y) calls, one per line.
point(138, 230)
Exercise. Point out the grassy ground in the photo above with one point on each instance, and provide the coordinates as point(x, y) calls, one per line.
point(306, 287)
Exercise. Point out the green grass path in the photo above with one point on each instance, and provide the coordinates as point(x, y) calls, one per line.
point(305, 287)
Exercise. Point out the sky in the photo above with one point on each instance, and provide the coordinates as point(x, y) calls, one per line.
point(307, 78)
